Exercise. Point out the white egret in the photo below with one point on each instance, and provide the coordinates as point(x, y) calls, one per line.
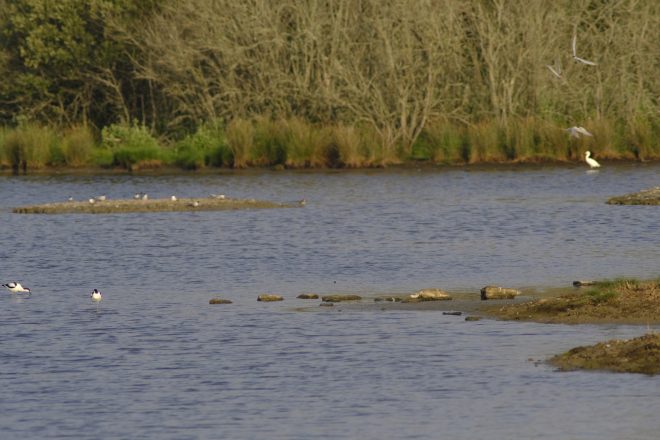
point(592, 162)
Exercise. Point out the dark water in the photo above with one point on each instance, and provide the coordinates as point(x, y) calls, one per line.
point(156, 361)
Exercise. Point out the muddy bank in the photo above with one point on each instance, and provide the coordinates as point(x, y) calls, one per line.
point(621, 301)
point(638, 355)
point(120, 206)
point(649, 196)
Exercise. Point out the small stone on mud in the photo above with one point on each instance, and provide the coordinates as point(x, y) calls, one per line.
point(269, 298)
point(340, 298)
point(308, 296)
point(581, 283)
point(495, 292)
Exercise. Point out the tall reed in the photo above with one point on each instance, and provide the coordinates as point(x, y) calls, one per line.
point(445, 142)
point(30, 146)
point(240, 140)
point(308, 145)
point(77, 146)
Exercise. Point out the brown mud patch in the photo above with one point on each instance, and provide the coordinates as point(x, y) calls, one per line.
point(638, 355)
point(121, 206)
point(619, 301)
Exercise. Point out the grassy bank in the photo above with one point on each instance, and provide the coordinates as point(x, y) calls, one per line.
point(618, 301)
point(638, 355)
point(295, 143)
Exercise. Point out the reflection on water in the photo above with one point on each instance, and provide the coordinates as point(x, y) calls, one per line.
point(157, 361)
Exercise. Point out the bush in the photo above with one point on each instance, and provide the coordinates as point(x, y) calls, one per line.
point(206, 147)
point(132, 146)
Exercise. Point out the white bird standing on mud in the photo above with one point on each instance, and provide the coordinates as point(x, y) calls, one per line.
point(577, 58)
point(592, 162)
point(15, 287)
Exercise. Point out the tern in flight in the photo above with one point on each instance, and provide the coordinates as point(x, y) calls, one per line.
point(576, 132)
point(577, 58)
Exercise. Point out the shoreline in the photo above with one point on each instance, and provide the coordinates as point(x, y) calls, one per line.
point(167, 170)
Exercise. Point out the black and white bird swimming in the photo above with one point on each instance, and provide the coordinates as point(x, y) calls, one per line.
point(15, 287)
point(96, 296)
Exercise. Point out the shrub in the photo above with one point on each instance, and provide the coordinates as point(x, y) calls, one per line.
point(206, 147)
point(132, 146)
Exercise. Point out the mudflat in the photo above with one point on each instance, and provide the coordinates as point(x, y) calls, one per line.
point(119, 206)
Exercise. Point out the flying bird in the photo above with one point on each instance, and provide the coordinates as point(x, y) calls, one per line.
point(576, 132)
point(591, 162)
point(555, 71)
point(577, 58)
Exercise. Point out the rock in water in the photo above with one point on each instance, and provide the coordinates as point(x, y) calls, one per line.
point(308, 296)
point(269, 298)
point(219, 301)
point(340, 298)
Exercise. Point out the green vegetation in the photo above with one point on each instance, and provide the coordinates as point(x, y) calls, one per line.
point(620, 300)
point(638, 355)
point(115, 83)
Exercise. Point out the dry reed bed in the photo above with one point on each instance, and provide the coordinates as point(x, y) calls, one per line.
point(124, 206)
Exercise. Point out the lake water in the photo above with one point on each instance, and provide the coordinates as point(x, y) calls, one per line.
point(156, 361)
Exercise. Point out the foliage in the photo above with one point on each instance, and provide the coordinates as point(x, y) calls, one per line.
point(206, 147)
point(132, 145)
point(77, 146)
point(30, 146)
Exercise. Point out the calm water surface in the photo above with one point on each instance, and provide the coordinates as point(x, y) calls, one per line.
point(156, 361)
